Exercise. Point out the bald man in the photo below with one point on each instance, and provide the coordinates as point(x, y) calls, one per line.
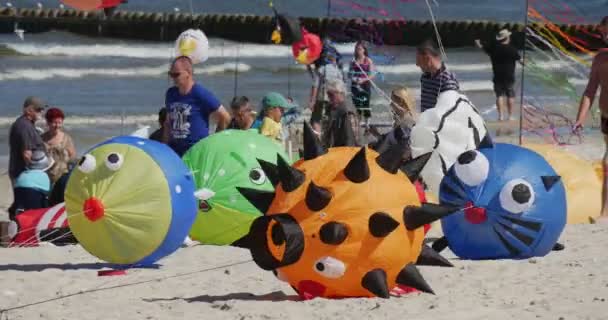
point(189, 106)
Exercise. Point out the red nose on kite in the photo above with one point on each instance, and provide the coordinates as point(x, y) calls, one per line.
point(93, 209)
point(475, 215)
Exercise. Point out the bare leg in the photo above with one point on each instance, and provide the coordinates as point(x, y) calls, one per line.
point(604, 214)
point(499, 107)
point(510, 103)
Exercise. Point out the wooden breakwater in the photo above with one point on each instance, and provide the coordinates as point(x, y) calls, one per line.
point(156, 26)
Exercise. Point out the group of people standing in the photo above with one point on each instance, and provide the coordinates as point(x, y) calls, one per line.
point(38, 161)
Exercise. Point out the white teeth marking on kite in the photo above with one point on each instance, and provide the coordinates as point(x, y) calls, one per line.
point(204, 194)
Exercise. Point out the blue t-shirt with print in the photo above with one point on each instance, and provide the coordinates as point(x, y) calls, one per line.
point(189, 115)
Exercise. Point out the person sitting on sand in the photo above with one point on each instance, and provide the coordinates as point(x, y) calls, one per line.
point(162, 118)
point(403, 106)
point(33, 185)
point(59, 144)
point(598, 79)
point(243, 114)
point(273, 107)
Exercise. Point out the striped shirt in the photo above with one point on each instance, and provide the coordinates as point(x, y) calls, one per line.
point(434, 84)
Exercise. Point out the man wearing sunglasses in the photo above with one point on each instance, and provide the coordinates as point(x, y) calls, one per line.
point(189, 106)
point(24, 138)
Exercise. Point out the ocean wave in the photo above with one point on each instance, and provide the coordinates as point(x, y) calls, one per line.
point(75, 73)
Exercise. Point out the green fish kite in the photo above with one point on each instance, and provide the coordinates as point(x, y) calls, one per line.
point(220, 164)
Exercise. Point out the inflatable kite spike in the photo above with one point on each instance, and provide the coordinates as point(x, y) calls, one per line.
point(430, 257)
point(317, 198)
point(550, 181)
point(411, 277)
point(416, 217)
point(375, 282)
point(290, 177)
point(413, 167)
point(486, 142)
point(270, 170)
point(357, 169)
point(312, 146)
point(382, 224)
point(391, 159)
point(258, 198)
point(333, 233)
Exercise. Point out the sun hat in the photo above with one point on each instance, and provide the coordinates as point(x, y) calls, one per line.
point(275, 100)
point(40, 161)
point(503, 34)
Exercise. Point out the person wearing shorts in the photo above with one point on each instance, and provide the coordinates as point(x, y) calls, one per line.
point(503, 56)
point(598, 78)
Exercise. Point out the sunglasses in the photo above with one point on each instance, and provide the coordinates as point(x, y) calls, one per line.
point(174, 74)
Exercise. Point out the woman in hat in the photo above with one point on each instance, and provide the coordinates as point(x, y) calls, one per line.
point(58, 143)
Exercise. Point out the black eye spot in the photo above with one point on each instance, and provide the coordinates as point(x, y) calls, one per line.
point(467, 157)
point(113, 158)
point(254, 175)
point(521, 193)
point(277, 234)
point(320, 266)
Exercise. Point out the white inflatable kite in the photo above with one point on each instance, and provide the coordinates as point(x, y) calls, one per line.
point(451, 128)
point(193, 44)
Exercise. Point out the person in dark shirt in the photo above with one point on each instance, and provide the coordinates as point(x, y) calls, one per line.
point(243, 114)
point(24, 138)
point(503, 56)
point(436, 78)
point(162, 117)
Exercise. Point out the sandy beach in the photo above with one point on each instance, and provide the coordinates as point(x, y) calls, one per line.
point(223, 283)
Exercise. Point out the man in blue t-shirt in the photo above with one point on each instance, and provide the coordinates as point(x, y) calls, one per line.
point(189, 106)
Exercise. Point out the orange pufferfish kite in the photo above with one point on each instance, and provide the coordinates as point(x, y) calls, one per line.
point(344, 222)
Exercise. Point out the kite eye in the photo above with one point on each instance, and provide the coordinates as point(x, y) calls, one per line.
point(330, 267)
point(257, 176)
point(87, 163)
point(472, 168)
point(114, 161)
point(517, 196)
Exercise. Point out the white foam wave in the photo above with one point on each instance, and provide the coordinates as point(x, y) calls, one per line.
point(101, 120)
point(74, 73)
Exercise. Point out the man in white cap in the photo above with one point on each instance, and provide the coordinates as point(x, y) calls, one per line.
point(503, 56)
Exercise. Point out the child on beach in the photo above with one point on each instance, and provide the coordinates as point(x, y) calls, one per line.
point(273, 107)
point(33, 185)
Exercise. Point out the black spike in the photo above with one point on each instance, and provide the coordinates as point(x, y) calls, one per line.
point(391, 159)
point(312, 145)
point(411, 277)
point(413, 167)
point(486, 142)
point(317, 197)
point(382, 224)
point(271, 171)
point(333, 233)
point(549, 181)
point(440, 244)
point(357, 169)
point(290, 177)
point(430, 257)
point(375, 282)
point(258, 198)
point(415, 217)
point(558, 247)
